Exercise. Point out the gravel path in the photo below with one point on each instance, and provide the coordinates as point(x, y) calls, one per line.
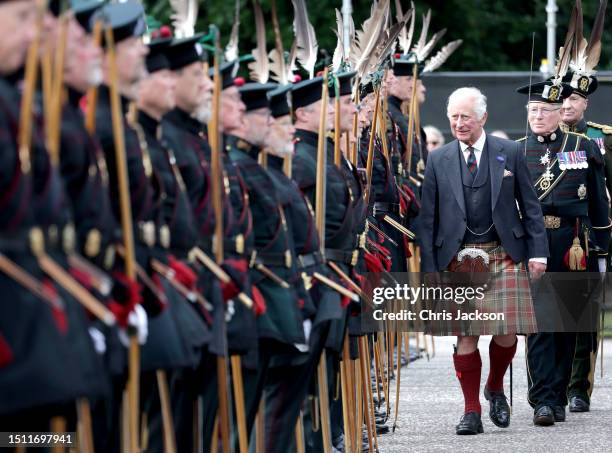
point(431, 404)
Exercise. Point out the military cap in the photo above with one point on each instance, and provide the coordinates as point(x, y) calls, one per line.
point(366, 89)
point(307, 92)
point(127, 19)
point(227, 71)
point(83, 10)
point(546, 91)
point(279, 101)
point(345, 83)
point(157, 58)
point(582, 84)
point(255, 95)
point(403, 65)
point(185, 51)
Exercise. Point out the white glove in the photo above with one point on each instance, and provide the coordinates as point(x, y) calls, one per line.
point(601, 263)
point(137, 319)
point(98, 339)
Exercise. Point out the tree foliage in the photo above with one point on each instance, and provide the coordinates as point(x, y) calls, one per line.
point(497, 34)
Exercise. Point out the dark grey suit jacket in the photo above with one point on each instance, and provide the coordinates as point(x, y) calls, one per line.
point(443, 213)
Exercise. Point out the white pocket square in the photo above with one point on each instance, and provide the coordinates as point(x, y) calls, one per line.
point(508, 173)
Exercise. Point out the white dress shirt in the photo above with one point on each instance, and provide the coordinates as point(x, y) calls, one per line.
point(478, 147)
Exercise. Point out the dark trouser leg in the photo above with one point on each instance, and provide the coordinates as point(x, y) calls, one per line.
point(286, 392)
point(253, 382)
point(151, 409)
point(565, 344)
point(314, 440)
point(187, 386)
point(106, 418)
point(541, 369)
point(581, 382)
point(286, 389)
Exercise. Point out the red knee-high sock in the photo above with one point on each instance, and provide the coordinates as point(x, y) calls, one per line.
point(468, 368)
point(500, 358)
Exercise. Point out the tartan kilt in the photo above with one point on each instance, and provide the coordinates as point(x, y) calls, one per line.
point(507, 292)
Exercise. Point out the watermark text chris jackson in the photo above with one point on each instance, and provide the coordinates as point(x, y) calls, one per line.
point(430, 315)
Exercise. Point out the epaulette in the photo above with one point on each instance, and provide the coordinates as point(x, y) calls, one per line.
point(521, 139)
point(604, 128)
point(577, 134)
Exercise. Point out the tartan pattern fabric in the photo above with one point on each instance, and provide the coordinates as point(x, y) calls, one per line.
point(507, 292)
point(472, 163)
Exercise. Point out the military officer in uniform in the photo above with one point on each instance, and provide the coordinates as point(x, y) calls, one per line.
point(567, 172)
point(185, 127)
point(339, 215)
point(168, 348)
point(37, 328)
point(291, 374)
point(572, 117)
point(156, 96)
point(273, 263)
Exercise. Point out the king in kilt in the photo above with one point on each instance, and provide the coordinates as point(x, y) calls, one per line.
point(489, 182)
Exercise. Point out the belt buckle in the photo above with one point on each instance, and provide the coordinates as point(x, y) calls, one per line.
point(239, 244)
point(147, 230)
point(354, 257)
point(37, 241)
point(109, 257)
point(69, 238)
point(362, 239)
point(93, 243)
point(307, 279)
point(164, 236)
point(552, 222)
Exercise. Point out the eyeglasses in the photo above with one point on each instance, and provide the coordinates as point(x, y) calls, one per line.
point(533, 111)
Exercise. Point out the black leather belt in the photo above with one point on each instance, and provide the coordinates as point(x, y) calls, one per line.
point(15, 244)
point(310, 259)
point(40, 239)
point(281, 259)
point(342, 256)
point(386, 208)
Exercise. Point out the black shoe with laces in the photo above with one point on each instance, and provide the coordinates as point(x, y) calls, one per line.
point(499, 411)
point(470, 424)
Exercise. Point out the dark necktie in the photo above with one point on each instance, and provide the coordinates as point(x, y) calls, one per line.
point(472, 163)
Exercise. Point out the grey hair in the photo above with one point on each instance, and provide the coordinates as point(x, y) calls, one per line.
point(480, 100)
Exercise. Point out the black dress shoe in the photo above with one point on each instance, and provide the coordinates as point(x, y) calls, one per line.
point(499, 411)
point(382, 429)
point(559, 412)
point(338, 443)
point(544, 416)
point(578, 404)
point(469, 424)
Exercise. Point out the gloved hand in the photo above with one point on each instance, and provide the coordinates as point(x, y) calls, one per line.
point(137, 319)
